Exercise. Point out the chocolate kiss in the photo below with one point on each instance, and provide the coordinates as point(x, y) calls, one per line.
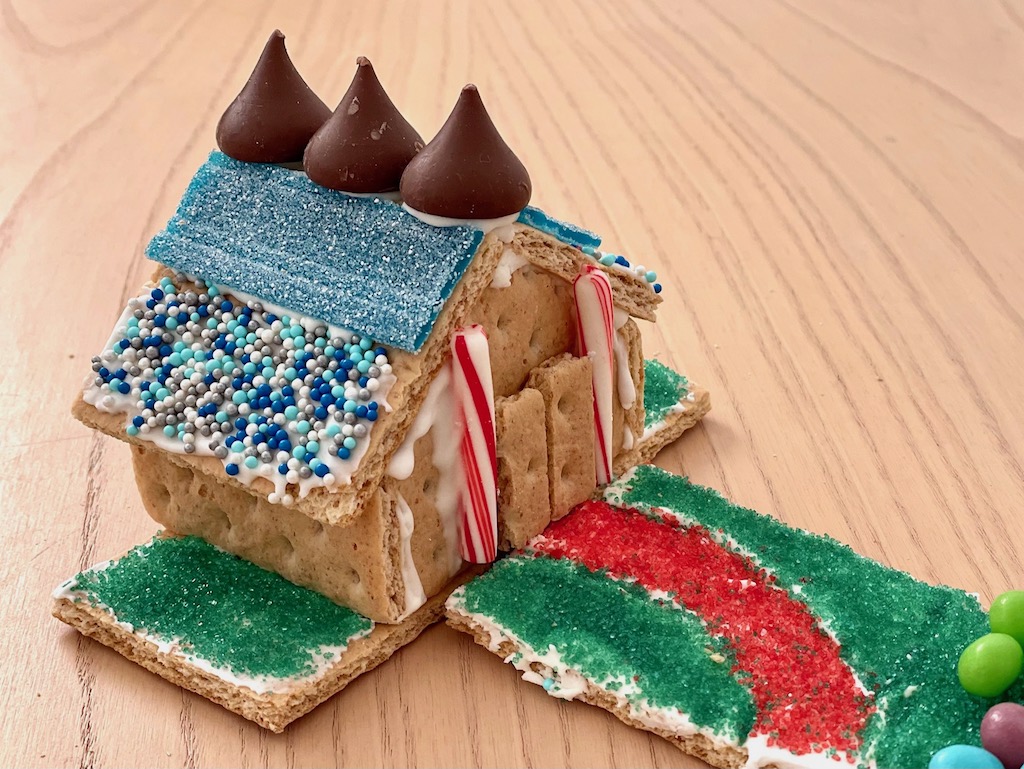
point(366, 144)
point(275, 114)
point(467, 171)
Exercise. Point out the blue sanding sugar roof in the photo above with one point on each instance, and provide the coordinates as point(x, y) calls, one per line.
point(563, 231)
point(359, 263)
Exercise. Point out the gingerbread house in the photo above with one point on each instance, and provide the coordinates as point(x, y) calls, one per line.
point(364, 359)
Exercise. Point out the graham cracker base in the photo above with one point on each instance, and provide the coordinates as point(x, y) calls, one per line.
point(273, 711)
point(674, 425)
point(698, 745)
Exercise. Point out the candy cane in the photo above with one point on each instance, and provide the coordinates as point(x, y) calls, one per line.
point(595, 334)
point(474, 392)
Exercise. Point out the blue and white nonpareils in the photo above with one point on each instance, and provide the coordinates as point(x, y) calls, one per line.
point(277, 397)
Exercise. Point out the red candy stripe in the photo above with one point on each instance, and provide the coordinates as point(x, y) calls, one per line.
point(478, 520)
point(807, 698)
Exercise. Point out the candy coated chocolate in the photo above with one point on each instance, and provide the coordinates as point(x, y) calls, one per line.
point(964, 757)
point(366, 144)
point(989, 665)
point(467, 171)
point(275, 114)
point(1002, 733)
point(1007, 614)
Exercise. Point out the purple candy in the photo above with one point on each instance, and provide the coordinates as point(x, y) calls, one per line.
point(1002, 733)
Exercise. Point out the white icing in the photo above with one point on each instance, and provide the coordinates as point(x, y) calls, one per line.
point(627, 390)
point(437, 416)
point(414, 595)
point(340, 470)
point(391, 197)
point(621, 316)
point(323, 657)
point(760, 753)
point(447, 458)
point(486, 225)
point(404, 459)
point(509, 263)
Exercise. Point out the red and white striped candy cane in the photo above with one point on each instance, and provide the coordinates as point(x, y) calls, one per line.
point(595, 336)
point(474, 392)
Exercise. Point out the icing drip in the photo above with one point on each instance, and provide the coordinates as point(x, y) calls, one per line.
point(437, 417)
point(404, 459)
point(510, 262)
point(448, 460)
point(414, 595)
point(627, 390)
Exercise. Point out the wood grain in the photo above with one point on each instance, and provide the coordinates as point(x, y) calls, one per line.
point(830, 191)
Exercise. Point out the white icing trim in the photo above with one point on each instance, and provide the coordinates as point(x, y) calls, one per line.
point(486, 225)
point(414, 595)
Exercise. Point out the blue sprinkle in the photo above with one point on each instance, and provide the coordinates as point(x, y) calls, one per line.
point(157, 294)
point(657, 288)
point(322, 470)
point(231, 468)
point(622, 260)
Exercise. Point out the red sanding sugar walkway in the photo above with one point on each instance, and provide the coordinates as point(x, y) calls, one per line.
point(807, 698)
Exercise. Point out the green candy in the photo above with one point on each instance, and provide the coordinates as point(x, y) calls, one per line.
point(1007, 615)
point(989, 665)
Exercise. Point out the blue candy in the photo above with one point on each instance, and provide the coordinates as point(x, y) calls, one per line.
point(964, 757)
point(353, 262)
point(563, 231)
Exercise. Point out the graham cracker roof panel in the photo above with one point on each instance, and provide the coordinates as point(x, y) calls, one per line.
point(362, 264)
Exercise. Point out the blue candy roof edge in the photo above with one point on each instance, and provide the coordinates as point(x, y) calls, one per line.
point(556, 228)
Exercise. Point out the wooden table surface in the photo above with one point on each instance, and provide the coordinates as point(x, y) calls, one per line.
point(831, 193)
